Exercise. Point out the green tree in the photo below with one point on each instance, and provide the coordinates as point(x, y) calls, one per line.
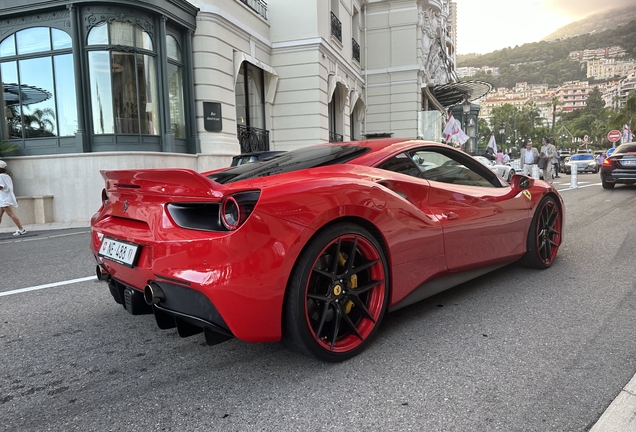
point(594, 103)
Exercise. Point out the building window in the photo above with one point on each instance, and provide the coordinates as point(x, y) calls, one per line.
point(250, 109)
point(175, 87)
point(36, 69)
point(123, 80)
point(335, 119)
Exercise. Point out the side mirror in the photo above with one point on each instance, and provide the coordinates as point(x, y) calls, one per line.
point(521, 182)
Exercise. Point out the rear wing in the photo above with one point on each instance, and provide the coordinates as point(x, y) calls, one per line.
point(173, 181)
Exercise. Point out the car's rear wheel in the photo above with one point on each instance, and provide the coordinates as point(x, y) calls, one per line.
point(337, 295)
point(606, 184)
point(544, 236)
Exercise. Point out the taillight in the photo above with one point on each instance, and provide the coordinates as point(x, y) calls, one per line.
point(607, 162)
point(104, 199)
point(230, 213)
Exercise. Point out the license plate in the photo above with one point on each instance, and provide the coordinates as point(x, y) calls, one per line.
point(628, 162)
point(119, 251)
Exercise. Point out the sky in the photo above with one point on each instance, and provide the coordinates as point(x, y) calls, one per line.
point(484, 26)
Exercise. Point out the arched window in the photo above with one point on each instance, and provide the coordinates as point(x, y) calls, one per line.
point(123, 80)
point(36, 70)
point(175, 87)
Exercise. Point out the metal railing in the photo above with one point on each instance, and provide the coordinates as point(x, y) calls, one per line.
point(336, 27)
point(252, 139)
point(355, 47)
point(258, 6)
point(335, 137)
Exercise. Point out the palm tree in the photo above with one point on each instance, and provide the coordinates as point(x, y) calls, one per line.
point(43, 119)
point(555, 102)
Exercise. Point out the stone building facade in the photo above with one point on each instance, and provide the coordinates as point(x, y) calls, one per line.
point(132, 84)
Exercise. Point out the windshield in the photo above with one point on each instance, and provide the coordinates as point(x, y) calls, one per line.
point(580, 157)
point(302, 158)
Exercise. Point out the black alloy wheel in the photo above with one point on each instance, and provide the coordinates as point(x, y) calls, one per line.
point(337, 294)
point(544, 235)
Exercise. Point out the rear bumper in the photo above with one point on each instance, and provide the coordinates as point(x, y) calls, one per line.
point(187, 310)
point(618, 176)
point(234, 282)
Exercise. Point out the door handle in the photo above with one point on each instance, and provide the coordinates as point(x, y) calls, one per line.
point(451, 215)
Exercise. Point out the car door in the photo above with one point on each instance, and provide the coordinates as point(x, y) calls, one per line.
point(483, 221)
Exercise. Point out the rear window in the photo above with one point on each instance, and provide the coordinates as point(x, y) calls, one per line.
point(303, 158)
point(582, 157)
point(626, 148)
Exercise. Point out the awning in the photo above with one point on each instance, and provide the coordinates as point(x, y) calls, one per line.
point(30, 94)
point(453, 94)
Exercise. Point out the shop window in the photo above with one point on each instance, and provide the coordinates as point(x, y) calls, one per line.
point(37, 74)
point(175, 87)
point(123, 80)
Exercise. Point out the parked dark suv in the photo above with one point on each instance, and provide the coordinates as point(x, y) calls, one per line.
point(244, 158)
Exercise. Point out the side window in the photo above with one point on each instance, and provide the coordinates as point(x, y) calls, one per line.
point(402, 164)
point(454, 168)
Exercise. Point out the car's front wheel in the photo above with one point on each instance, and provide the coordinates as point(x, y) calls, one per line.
point(544, 236)
point(337, 294)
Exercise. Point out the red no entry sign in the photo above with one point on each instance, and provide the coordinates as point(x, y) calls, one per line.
point(613, 136)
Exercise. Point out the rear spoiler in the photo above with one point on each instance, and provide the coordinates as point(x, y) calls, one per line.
point(173, 181)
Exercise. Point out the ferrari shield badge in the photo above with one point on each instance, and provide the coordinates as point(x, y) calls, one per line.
point(527, 194)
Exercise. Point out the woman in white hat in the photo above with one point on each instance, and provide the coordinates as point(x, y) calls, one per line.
point(7, 198)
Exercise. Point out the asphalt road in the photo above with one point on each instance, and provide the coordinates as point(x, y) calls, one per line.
point(515, 350)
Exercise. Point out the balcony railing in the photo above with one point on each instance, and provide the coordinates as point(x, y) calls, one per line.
point(336, 27)
point(252, 139)
point(355, 46)
point(258, 6)
point(335, 137)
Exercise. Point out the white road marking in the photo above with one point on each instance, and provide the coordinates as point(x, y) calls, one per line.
point(584, 186)
point(51, 285)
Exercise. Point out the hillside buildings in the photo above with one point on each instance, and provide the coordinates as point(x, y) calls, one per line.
point(602, 69)
point(600, 53)
point(90, 85)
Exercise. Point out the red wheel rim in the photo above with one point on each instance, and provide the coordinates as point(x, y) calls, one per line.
point(549, 227)
point(345, 293)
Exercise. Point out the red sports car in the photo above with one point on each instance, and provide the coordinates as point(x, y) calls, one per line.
point(315, 246)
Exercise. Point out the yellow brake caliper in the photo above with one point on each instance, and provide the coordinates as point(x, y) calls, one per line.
point(353, 283)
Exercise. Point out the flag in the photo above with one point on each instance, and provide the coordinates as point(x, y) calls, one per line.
point(453, 131)
point(448, 130)
point(492, 144)
point(628, 136)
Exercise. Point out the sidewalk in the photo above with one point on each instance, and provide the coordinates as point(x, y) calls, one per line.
point(620, 416)
point(47, 226)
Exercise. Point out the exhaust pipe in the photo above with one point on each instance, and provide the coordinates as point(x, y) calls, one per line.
point(153, 293)
point(102, 273)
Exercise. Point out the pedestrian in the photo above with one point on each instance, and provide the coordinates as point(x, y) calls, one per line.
point(600, 159)
point(499, 157)
point(7, 199)
point(529, 157)
point(548, 154)
point(557, 164)
point(506, 158)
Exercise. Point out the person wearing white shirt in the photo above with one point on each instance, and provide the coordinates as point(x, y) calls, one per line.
point(7, 199)
point(529, 157)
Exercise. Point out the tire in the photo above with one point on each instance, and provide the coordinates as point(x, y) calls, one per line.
point(333, 307)
point(544, 235)
point(607, 185)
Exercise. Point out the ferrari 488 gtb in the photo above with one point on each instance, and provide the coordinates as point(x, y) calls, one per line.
point(313, 247)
